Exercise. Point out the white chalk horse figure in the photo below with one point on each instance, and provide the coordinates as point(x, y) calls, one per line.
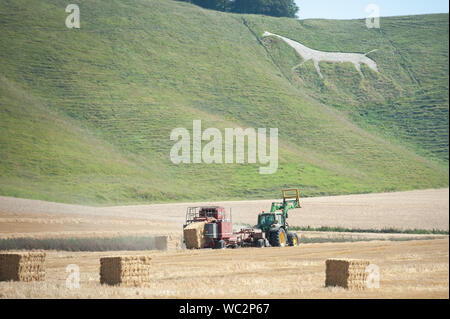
point(318, 56)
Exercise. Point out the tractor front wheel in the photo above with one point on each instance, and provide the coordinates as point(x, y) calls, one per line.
point(277, 238)
point(293, 239)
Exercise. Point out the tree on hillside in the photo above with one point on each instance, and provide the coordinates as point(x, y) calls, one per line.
point(276, 8)
point(223, 5)
point(220, 5)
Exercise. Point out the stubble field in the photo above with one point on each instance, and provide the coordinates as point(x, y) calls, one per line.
point(408, 269)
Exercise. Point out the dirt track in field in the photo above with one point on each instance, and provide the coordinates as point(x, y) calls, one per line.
point(413, 269)
point(423, 209)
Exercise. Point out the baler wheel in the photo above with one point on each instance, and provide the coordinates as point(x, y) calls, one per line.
point(221, 244)
point(261, 243)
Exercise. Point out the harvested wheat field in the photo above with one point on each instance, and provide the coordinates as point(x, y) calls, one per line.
point(408, 269)
point(413, 269)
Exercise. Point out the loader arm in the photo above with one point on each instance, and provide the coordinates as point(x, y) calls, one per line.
point(291, 200)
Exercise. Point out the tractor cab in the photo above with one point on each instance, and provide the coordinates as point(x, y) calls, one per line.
point(266, 220)
point(206, 213)
point(217, 213)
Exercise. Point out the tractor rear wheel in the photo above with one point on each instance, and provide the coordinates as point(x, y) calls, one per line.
point(293, 239)
point(277, 238)
point(221, 244)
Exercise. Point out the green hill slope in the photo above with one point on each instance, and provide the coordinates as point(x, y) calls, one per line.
point(86, 114)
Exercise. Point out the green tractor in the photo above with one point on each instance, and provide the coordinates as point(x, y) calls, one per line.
point(274, 224)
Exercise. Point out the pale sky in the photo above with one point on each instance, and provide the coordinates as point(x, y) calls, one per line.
point(355, 9)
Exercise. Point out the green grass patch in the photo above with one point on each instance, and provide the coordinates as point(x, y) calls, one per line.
point(371, 230)
point(304, 240)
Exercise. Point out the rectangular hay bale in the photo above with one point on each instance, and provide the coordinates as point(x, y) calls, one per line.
point(194, 235)
point(347, 273)
point(125, 270)
point(22, 266)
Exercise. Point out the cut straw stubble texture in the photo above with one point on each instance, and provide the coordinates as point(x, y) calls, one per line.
point(22, 266)
point(194, 235)
point(131, 271)
point(347, 273)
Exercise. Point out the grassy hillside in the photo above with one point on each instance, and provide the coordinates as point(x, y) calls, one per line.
point(86, 114)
